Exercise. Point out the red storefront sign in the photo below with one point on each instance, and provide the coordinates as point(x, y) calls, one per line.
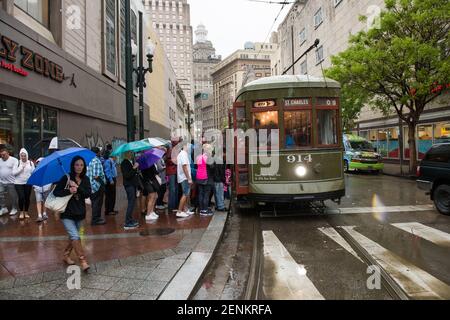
point(29, 60)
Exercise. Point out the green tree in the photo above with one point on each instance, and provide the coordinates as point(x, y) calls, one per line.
point(402, 64)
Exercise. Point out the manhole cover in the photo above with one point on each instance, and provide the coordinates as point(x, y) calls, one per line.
point(156, 232)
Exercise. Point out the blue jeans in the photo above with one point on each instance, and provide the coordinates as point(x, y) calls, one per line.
point(173, 192)
point(72, 228)
point(131, 197)
point(218, 195)
point(204, 191)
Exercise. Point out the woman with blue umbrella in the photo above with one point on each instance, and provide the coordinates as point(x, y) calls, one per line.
point(69, 168)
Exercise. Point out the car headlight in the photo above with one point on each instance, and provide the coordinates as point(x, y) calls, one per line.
point(300, 171)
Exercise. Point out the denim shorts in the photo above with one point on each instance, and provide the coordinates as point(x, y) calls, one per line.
point(72, 228)
point(186, 188)
point(41, 196)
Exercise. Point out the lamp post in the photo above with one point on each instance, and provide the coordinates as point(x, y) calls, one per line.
point(141, 71)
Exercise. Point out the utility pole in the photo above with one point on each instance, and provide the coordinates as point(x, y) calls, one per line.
point(141, 79)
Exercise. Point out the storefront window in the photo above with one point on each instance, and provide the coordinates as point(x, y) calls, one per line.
point(364, 134)
point(50, 123)
point(10, 124)
point(32, 125)
point(38, 9)
point(265, 120)
point(297, 126)
point(382, 145)
point(110, 36)
point(327, 127)
point(393, 144)
point(442, 132)
point(425, 139)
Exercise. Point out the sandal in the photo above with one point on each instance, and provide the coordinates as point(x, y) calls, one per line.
point(21, 216)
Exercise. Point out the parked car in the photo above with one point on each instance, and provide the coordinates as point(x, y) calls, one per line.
point(434, 176)
point(360, 154)
point(46, 146)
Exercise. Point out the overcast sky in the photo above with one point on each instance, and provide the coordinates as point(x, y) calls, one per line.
point(231, 23)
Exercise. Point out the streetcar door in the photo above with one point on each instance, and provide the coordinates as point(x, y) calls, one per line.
point(241, 170)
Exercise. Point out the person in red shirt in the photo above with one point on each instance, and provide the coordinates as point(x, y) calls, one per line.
point(171, 172)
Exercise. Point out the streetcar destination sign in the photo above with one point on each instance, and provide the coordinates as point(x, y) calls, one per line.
point(264, 104)
point(297, 102)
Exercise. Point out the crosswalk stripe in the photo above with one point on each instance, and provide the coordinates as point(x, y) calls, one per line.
point(417, 283)
point(388, 209)
point(336, 237)
point(428, 233)
point(284, 279)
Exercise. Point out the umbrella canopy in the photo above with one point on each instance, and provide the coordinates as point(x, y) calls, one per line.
point(159, 142)
point(149, 158)
point(53, 167)
point(136, 146)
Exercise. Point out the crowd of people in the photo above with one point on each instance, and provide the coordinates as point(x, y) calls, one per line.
point(176, 184)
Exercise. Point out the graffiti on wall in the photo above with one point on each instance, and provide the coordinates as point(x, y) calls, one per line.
point(96, 140)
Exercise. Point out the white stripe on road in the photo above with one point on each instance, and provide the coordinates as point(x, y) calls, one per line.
point(417, 283)
point(336, 237)
point(381, 209)
point(284, 279)
point(433, 235)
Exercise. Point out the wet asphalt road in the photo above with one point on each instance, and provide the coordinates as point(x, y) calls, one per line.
point(302, 255)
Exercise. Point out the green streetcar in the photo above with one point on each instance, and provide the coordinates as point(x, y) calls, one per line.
point(306, 111)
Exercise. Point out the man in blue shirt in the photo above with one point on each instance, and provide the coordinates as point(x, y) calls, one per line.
point(111, 182)
point(98, 181)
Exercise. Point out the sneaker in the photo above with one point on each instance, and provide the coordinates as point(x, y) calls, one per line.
point(204, 213)
point(13, 212)
point(45, 216)
point(189, 212)
point(40, 219)
point(131, 226)
point(160, 207)
point(4, 211)
point(182, 215)
point(152, 217)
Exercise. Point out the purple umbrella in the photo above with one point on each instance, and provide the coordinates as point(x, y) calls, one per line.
point(149, 158)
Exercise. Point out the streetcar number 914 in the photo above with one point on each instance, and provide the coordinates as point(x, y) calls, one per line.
point(299, 158)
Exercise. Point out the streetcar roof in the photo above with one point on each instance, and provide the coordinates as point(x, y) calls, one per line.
point(293, 81)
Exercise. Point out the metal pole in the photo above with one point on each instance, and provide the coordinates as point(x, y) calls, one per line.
point(129, 74)
point(293, 49)
point(141, 79)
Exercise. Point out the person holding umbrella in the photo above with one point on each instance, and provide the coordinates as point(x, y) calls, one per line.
point(78, 185)
point(74, 187)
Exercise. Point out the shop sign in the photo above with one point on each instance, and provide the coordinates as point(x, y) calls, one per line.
point(9, 50)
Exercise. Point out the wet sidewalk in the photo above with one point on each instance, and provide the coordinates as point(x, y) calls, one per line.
point(137, 264)
point(393, 169)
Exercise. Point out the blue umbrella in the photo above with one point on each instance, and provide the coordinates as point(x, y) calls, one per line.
point(52, 168)
point(149, 158)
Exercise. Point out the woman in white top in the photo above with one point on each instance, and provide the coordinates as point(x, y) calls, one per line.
point(21, 174)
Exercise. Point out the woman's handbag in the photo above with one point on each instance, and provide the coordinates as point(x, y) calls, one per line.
point(58, 204)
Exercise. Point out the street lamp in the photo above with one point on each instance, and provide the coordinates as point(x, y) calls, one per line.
point(141, 71)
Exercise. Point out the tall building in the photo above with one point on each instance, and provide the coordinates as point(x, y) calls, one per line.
point(172, 22)
point(333, 22)
point(231, 74)
point(62, 72)
point(205, 59)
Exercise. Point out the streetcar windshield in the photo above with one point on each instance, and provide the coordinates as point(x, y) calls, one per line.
point(297, 126)
point(327, 127)
point(267, 120)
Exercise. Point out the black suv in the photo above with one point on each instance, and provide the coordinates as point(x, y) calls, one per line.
point(434, 176)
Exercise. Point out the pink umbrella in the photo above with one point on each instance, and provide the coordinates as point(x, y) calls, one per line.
point(149, 158)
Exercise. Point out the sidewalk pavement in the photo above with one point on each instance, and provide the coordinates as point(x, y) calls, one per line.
point(161, 260)
point(393, 169)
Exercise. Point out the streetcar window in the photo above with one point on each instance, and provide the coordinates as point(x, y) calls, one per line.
point(297, 125)
point(267, 120)
point(327, 127)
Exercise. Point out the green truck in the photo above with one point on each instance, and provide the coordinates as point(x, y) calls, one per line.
point(360, 154)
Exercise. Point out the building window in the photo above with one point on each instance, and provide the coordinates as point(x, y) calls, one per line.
point(110, 56)
point(319, 55)
point(318, 19)
point(302, 36)
point(304, 67)
point(38, 9)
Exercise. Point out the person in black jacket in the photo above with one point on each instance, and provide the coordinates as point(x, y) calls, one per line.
point(219, 180)
point(130, 175)
point(79, 187)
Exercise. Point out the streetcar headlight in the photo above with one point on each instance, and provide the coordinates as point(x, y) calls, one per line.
point(300, 171)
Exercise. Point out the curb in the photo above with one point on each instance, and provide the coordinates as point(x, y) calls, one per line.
point(408, 177)
point(186, 280)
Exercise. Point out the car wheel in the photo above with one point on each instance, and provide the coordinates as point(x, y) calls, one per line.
point(441, 196)
point(346, 166)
